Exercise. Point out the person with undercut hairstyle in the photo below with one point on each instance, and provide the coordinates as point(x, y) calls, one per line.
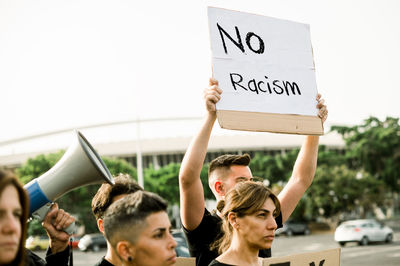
point(139, 231)
point(105, 196)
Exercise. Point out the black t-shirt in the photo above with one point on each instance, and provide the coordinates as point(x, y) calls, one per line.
point(104, 262)
point(209, 229)
point(217, 263)
point(59, 258)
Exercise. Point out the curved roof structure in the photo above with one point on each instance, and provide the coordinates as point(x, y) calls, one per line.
point(150, 136)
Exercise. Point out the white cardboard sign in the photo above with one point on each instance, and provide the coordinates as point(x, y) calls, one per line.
point(329, 257)
point(262, 64)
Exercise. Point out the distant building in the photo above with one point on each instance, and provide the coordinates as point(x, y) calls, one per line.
point(157, 141)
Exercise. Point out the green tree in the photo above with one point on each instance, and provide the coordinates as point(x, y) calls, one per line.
point(330, 157)
point(276, 168)
point(165, 182)
point(375, 147)
point(338, 189)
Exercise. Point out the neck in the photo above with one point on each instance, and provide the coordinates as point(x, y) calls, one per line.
point(240, 251)
point(111, 257)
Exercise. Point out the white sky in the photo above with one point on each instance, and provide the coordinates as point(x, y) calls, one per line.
point(77, 62)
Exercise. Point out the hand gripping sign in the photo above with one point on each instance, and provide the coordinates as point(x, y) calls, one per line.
point(266, 70)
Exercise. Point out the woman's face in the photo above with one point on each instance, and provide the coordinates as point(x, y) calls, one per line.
point(155, 245)
point(258, 229)
point(10, 224)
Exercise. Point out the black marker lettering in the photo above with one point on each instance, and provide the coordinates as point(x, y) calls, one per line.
point(234, 83)
point(292, 86)
point(269, 87)
point(321, 263)
point(252, 81)
point(259, 86)
point(261, 46)
point(275, 82)
point(238, 44)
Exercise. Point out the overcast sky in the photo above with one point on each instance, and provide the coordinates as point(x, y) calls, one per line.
point(72, 63)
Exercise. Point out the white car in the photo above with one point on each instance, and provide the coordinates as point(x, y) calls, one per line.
point(363, 232)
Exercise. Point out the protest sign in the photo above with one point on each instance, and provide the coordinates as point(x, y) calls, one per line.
point(330, 257)
point(181, 261)
point(266, 70)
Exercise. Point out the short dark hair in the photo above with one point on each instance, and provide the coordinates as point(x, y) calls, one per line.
point(126, 217)
point(8, 178)
point(124, 184)
point(227, 160)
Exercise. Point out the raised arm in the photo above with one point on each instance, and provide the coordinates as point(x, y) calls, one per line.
point(190, 186)
point(54, 223)
point(303, 170)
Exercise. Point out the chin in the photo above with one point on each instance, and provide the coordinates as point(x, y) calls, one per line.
point(7, 257)
point(265, 245)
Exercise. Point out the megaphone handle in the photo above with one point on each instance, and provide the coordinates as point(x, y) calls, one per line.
point(41, 213)
point(71, 229)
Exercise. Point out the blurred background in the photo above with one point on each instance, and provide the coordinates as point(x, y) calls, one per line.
point(130, 76)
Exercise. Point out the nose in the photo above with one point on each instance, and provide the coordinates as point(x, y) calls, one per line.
point(272, 225)
point(172, 243)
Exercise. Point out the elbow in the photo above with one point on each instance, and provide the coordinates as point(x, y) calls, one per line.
point(184, 180)
point(303, 182)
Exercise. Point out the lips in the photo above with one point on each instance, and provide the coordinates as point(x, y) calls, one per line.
point(269, 237)
point(172, 259)
point(8, 245)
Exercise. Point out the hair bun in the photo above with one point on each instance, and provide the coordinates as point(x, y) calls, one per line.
point(220, 205)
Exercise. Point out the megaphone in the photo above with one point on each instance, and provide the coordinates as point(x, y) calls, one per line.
point(79, 166)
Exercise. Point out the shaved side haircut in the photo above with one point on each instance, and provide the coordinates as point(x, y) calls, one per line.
point(126, 218)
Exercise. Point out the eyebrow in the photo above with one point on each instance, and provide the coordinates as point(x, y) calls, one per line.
point(242, 177)
point(3, 210)
point(267, 211)
point(162, 229)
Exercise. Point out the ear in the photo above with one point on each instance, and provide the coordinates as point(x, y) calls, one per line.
point(232, 218)
point(125, 250)
point(219, 188)
point(100, 225)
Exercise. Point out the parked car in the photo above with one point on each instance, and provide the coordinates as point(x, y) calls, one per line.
point(293, 228)
point(92, 242)
point(182, 249)
point(37, 242)
point(363, 231)
point(75, 241)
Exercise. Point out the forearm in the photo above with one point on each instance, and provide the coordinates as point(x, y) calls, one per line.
point(306, 162)
point(58, 258)
point(58, 246)
point(193, 160)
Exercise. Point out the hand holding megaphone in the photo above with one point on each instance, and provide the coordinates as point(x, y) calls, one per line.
point(45, 211)
point(55, 223)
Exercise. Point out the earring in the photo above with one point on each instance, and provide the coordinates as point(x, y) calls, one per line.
point(130, 259)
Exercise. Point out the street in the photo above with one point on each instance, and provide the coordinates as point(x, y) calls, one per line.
point(351, 254)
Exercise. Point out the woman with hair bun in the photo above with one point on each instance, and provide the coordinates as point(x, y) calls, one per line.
point(248, 213)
